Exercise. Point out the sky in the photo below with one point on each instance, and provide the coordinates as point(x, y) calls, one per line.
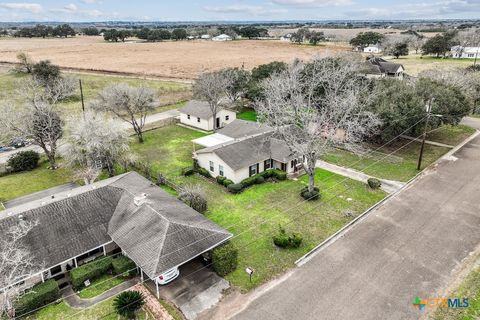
point(237, 10)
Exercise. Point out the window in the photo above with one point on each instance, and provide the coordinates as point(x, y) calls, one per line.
point(220, 170)
point(227, 118)
point(198, 119)
point(292, 163)
point(253, 169)
point(212, 166)
point(56, 270)
point(268, 164)
point(188, 116)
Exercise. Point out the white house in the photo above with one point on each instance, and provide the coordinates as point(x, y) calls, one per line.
point(373, 48)
point(460, 52)
point(198, 114)
point(244, 149)
point(205, 37)
point(222, 37)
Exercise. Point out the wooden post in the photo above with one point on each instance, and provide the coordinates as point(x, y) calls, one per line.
point(429, 110)
point(81, 96)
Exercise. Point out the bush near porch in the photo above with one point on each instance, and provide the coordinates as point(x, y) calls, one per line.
point(90, 271)
point(39, 296)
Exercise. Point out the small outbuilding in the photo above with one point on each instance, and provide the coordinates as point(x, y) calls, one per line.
point(198, 114)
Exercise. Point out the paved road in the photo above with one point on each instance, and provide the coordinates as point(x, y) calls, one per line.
point(407, 247)
point(150, 119)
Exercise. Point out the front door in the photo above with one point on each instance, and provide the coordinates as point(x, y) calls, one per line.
point(217, 123)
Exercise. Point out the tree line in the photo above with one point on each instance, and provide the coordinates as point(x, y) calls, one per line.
point(42, 31)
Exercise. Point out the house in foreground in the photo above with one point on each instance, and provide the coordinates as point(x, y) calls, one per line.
point(197, 114)
point(125, 214)
point(243, 149)
point(460, 52)
point(380, 68)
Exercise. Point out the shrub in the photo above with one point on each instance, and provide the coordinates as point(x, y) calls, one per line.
point(24, 161)
point(188, 171)
point(235, 188)
point(127, 303)
point(90, 271)
point(225, 259)
point(280, 175)
point(249, 181)
point(204, 172)
point(267, 174)
point(124, 265)
point(227, 182)
point(38, 296)
point(259, 180)
point(194, 196)
point(283, 240)
point(374, 183)
point(310, 196)
point(221, 179)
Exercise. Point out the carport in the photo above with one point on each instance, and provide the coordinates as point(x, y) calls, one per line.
point(211, 140)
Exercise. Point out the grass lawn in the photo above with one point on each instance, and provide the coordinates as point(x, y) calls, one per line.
point(100, 285)
point(254, 217)
point(169, 92)
point(415, 63)
point(452, 135)
point(19, 184)
point(470, 288)
point(103, 310)
point(247, 114)
point(401, 167)
point(168, 149)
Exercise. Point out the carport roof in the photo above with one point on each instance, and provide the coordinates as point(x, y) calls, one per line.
point(212, 140)
point(156, 230)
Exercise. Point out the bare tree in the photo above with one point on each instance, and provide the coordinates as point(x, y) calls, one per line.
point(94, 142)
point(316, 106)
point(237, 80)
point(36, 120)
point(211, 87)
point(25, 63)
point(131, 104)
point(17, 263)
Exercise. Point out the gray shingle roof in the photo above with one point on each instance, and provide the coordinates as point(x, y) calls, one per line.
point(380, 66)
point(197, 108)
point(157, 235)
point(246, 152)
point(242, 128)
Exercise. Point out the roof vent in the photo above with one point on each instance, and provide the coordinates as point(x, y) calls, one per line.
point(140, 200)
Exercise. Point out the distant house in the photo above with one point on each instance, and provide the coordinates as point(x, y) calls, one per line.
point(245, 149)
point(205, 37)
point(198, 114)
point(125, 214)
point(380, 68)
point(287, 37)
point(373, 48)
point(460, 52)
point(222, 37)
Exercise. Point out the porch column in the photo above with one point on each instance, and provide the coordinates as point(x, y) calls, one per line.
point(104, 251)
point(76, 264)
point(158, 292)
point(141, 274)
point(43, 278)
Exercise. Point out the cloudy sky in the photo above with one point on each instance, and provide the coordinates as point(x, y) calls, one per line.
point(198, 10)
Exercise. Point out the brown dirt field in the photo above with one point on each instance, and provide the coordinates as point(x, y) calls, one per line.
point(176, 60)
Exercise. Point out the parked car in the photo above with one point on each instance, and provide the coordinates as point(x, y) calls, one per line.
point(18, 143)
point(4, 149)
point(168, 276)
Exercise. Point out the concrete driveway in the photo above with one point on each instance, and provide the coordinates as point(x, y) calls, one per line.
point(195, 290)
point(409, 246)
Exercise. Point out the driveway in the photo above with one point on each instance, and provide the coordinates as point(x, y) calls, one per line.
point(409, 246)
point(195, 290)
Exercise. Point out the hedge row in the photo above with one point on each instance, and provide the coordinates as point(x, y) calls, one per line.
point(123, 265)
point(38, 296)
point(258, 179)
point(90, 271)
point(225, 259)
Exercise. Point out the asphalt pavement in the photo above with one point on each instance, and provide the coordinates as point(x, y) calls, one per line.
point(409, 246)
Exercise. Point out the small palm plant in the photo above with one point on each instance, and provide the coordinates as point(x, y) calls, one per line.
point(127, 303)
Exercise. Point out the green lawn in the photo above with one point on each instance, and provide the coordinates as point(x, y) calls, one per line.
point(19, 184)
point(452, 135)
point(248, 114)
point(470, 288)
point(100, 285)
point(168, 149)
point(401, 166)
point(254, 217)
point(415, 63)
point(103, 310)
point(169, 92)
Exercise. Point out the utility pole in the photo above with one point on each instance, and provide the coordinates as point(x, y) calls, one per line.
point(81, 96)
point(428, 108)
